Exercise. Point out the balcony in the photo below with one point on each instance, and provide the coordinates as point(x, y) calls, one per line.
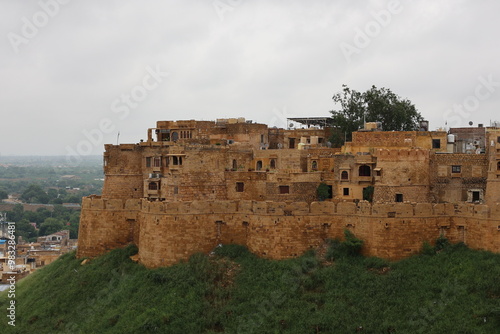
point(365, 179)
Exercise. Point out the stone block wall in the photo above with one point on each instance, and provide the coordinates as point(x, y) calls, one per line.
point(447, 186)
point(168, 232)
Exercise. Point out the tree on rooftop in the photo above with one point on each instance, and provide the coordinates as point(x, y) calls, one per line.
point(374, 105)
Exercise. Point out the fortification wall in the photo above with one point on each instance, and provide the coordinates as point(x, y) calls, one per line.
point(168, 232)
point(106, 224)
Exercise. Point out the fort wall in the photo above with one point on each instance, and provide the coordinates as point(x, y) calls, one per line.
point(168, 232)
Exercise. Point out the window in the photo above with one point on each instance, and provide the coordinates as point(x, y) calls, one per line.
point(259, 165)
point(273, 164)
point(498, 139)
point(235, 164)
point(148, 162)
point(456, 169)
point(157, 162)
point(185, 134)
point(498, 165)
point(314, 165)
point(284, 189)
point(378, 172)
point(175, 136)
point(436, 143)
point(364, 170)
point(399, 198)
point(240, 187)
point(476, 196)
point(177, 161)
point(346, 191)
point(344, 175)
point(153, 186)
point(261, 138)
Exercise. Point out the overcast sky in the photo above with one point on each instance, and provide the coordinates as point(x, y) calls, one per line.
point(75, 73)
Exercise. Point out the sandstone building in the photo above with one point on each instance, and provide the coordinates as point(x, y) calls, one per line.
point(194, 184)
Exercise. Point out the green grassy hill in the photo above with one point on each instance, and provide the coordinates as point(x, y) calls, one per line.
point(232, 291)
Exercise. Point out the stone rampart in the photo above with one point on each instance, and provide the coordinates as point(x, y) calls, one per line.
point(168, 232)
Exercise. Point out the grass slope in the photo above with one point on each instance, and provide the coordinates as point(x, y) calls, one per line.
point(233, 291)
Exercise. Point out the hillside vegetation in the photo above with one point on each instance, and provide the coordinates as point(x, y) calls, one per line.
point(454, 290)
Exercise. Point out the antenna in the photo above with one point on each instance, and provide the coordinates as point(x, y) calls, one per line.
point(117, 137)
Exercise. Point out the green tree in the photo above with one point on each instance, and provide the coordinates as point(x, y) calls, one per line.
point(35, 194)
point(49, 226)
point(26, 230)
point(16, 214)
point(3, 194)
point(323, 191)
point(368, 193)
point(374, 105)
point(52, 193)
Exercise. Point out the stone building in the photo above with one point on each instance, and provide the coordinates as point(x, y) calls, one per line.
point(190, 170)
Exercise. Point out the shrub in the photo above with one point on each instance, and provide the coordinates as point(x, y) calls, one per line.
point(441, 243)
point(323, 191)
point(350, 247)
point(352, 244)
point(232, 251)
point(427, 249)
point(375, 263)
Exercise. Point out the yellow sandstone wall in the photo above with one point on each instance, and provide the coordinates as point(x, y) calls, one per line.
point(106, 224)
point(168, 232)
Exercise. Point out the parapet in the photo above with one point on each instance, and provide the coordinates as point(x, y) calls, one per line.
point(265, 208)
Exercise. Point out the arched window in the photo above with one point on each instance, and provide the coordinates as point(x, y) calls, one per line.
point(259, 165)
point(344, 175)
point(153, 186)
point(272, 164)
point(175, 136)
point(235, 164)
point(365, 170)
point(314, 165)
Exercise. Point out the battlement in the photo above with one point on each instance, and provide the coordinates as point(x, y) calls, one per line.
point(394, 210)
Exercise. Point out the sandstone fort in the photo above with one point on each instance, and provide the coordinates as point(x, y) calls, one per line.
point(192, 185)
